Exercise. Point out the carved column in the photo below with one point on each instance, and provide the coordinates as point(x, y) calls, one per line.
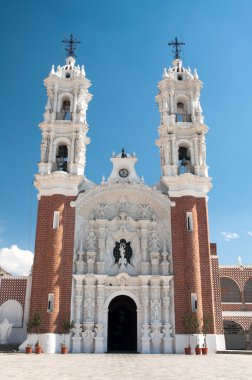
point(191, 103)
point(89, 311)
point(165, 263)
point(51, 138)
point(76, 338)
point(55, 103)
point(174, 156)
point(79, 262)
point(196, 155)
point(91, 248)
point(155, 310)
point(154, 247)
point(203, 170)
point(101, 244)
point(144, 246)
point(167, 328)
point(171, 93)
point(99, 329)
point(145, 327)
point(75, 101)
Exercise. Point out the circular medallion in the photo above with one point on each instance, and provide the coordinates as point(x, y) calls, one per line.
point(123, 173)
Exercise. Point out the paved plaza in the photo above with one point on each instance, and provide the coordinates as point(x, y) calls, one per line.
point(124, 366)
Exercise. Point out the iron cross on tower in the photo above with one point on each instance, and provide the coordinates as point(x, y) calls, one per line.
point(177, 45)
point(70, 45)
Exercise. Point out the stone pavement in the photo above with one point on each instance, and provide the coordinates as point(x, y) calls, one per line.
point(124, 367)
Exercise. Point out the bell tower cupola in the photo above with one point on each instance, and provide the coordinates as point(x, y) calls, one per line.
point(182, 130)
point(64, 129)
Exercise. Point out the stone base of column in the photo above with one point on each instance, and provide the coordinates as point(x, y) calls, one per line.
point(167, 342)
point(76, 342)
point(99, 346)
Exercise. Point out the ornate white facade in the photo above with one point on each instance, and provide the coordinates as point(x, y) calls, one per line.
point(116, 253)
point(122, 247)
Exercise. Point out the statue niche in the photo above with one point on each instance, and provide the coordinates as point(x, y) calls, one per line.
point(122, 253)
point(127, 248)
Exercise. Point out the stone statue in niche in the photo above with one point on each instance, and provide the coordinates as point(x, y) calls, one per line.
point(91, 241)
point(154, 245)
point(122, 261)
point(102, 212)
point(155, 310)
point(89, 309)
point(122, 253)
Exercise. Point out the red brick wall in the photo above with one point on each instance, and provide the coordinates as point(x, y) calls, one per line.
point(13, 289)
point(245, 322)
point(216, 291)
point(52, 268)
point(191, 259)
point(238, 273)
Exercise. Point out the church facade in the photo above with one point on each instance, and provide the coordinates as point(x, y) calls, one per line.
point(124, 261)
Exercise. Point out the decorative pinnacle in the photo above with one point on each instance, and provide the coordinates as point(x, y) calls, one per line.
point(70, 45)
point(177, 45)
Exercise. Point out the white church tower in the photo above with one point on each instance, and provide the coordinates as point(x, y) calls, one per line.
point(64, 129)
point(182, 131)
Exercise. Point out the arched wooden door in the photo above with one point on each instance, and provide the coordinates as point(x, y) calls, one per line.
point(122, 325)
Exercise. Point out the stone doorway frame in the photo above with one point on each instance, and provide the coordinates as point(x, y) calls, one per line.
point(139, 310)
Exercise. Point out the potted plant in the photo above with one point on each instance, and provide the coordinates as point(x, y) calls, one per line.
point(35, 323)
point(191, 325)
point(207, 323)
point(66, 327)
point(28, 348)
point(198, 349)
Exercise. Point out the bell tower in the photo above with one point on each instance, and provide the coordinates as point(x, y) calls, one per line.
point(182, 131)
point(182, 147)
point(64, 129)
point(60, 173)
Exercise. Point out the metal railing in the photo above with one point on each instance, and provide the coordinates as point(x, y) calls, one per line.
point(183, 118)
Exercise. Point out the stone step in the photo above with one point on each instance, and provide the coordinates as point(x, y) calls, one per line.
point(244, 352)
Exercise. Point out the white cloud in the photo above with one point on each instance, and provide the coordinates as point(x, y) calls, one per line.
point(249, 233)
point(16, 261)
point(228, 236)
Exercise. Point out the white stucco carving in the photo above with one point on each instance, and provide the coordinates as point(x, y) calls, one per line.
point(182, 127)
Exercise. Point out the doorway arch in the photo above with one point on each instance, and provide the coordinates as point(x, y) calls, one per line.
point(122, 324)
point(234, 335)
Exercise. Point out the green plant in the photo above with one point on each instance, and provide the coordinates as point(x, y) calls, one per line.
point(207, 323)
point(66, 327)
point(191, 325)
point(34, 324)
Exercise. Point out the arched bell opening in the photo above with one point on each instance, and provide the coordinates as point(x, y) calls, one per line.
point(65, 110)
point(184, 160)
point(62, 158)
point(182, 116)
point(122, 325)
point(234, 336)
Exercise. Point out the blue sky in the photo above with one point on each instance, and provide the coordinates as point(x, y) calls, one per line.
point(124, 50)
